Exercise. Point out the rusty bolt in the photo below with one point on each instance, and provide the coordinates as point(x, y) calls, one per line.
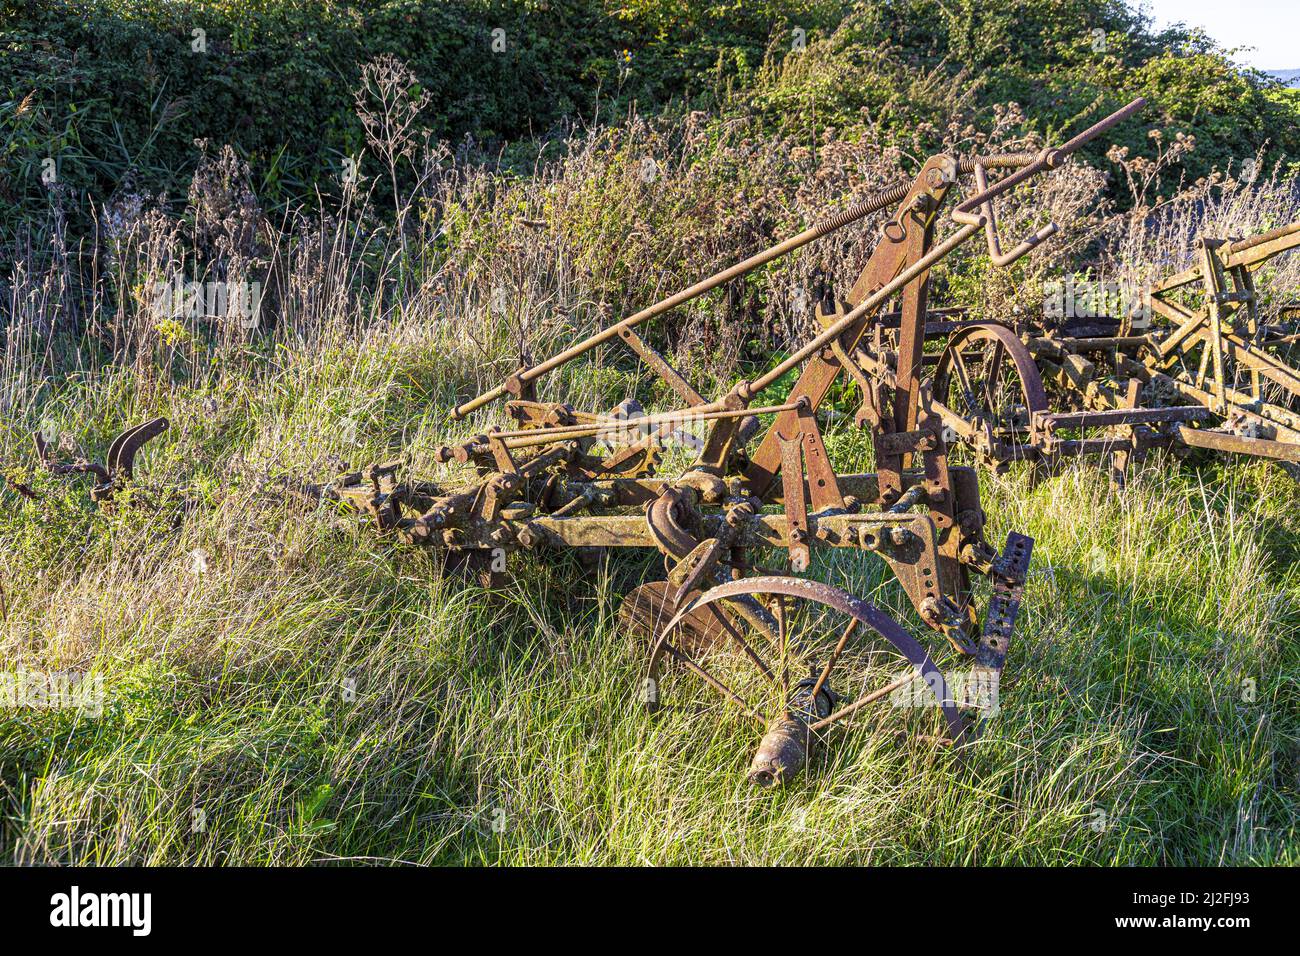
point(414, 534)
point(527, 537)
point(899, 536)
point(930, 611)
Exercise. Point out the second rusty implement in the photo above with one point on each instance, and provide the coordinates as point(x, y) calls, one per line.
point(793, 655)
point(1198, 366)
point(113, 474)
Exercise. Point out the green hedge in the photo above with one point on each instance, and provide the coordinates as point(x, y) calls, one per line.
point(115, 93)
point(905, 62)
point(116, 89)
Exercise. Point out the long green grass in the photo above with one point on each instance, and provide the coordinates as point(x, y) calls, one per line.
point(284, 688)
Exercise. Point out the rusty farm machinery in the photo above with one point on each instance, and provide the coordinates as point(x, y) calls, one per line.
point(1192, 362)
point(1199, 366)
point(792, 654)
point(109, 477)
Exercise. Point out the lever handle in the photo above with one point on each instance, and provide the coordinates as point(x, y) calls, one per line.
point(1054, 156)
point(991, 229)
point(965, 213)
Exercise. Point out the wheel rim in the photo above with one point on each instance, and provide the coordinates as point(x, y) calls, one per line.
point(987, 378)
point(803, 657)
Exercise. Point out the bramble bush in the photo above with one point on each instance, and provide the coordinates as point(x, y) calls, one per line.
point(110, 95)
point(115, 92)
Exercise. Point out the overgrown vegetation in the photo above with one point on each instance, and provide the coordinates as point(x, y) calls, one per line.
point(114, 93)
point(282, 688)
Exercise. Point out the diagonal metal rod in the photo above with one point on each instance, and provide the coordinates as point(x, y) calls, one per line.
point(744, 645)
point(528, 437)
point(686, 661)
point(748, 390)
point(863, 701)
point(875, 203)
point(1025, 165)
point(872, 204)
point(781, 639)
point(834, 658)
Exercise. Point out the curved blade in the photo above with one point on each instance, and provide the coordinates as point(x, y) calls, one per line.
point(42, 449)
point(122, 452)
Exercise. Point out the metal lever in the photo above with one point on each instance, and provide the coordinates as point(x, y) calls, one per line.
point(991, 229)
point(966, 213)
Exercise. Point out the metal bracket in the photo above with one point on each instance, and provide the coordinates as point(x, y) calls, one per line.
point(1010, 571)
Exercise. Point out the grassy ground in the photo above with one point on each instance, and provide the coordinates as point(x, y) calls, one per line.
point(283, 688)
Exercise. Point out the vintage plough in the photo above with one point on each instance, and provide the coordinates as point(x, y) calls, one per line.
point(1193, 364)
point(110, 476)
point(794, 655)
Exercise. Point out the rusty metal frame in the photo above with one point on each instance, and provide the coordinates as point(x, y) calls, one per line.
point(117, 469)
point(550, 482)
point(1225, 376)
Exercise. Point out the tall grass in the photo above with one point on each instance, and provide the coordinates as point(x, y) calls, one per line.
point(283, 688)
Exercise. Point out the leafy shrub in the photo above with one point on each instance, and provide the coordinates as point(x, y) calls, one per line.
point(116, 91)
point(110, 96)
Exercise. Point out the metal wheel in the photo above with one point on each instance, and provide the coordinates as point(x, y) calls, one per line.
point(799, 657)
point(987, 388)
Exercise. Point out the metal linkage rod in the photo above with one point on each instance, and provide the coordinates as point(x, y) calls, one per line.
point(748, 390)
point(529, 437)
point(980, 205)
point(1028, 164)
point(1242, 245)
point(875, 203)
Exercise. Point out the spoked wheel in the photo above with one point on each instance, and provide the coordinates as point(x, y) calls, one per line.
point(801, 657)
point(987, 382)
